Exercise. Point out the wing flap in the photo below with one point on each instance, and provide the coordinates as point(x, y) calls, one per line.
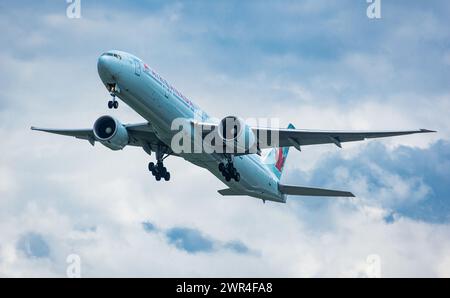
point(310, 191)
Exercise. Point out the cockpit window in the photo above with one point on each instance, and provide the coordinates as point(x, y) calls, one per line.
point(113, 55)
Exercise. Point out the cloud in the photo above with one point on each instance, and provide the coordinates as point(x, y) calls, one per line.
point(410, 181)
point(189, 240)
point(33, 245)
point(194, 241)
point(314, 63)
point(149, 227)
point(237, 246)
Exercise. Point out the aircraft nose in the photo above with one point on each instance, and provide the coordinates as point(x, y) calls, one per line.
point(108, 68)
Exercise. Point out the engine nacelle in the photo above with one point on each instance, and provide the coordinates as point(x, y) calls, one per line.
point(236, 135)
point(111, 133)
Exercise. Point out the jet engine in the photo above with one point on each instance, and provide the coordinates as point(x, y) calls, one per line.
point(111, 133)
point(236, 135)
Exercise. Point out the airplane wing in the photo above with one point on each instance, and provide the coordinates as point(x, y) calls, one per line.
point(300, 137)
point(85, 134)
point(140, 134)
point(291, 137)
point(310, 191)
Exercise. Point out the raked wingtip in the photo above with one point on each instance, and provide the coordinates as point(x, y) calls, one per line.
point(427, 130)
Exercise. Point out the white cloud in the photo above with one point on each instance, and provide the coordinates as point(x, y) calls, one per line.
point(92, 201)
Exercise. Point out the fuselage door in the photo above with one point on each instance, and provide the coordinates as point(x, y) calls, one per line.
point(166, 91)
point(137, 68)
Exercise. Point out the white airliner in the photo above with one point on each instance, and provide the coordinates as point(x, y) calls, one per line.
point(246, 172)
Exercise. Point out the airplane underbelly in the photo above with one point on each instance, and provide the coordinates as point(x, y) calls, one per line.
point(254, 180)
point(255, 176)
point(146, 99)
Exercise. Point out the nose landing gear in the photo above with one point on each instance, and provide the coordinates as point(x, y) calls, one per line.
point(113, 103)
point(112, 88)
point(229, 171)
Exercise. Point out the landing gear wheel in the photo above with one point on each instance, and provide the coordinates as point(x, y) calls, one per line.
point(110, 104)
point(227, 177)
point(161, 169)
point(167, 176)
point(116, 104)
point(229, 171)
point(237, 177)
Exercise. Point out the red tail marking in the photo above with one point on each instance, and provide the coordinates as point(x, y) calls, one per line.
point(280, 159)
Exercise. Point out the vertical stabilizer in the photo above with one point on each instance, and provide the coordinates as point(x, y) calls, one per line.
point(275, 159)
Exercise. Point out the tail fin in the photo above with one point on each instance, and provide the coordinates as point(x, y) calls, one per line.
point(276, 158)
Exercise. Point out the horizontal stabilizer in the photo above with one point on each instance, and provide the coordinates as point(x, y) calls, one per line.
point(309, 191)
point(231, 192)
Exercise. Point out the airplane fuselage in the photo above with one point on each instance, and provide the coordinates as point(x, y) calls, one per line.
point(151, 96)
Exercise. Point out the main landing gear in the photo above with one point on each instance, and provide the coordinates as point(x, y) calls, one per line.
point(159, 170)
point(112, 90)
point(229, 171)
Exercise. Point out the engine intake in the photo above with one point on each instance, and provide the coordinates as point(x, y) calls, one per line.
point(111, 133)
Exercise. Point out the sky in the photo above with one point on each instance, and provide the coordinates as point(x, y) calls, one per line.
point(317, 64)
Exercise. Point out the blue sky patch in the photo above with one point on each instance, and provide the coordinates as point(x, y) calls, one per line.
point(33, 245)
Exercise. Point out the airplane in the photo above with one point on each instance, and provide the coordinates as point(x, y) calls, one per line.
point(246, 172)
